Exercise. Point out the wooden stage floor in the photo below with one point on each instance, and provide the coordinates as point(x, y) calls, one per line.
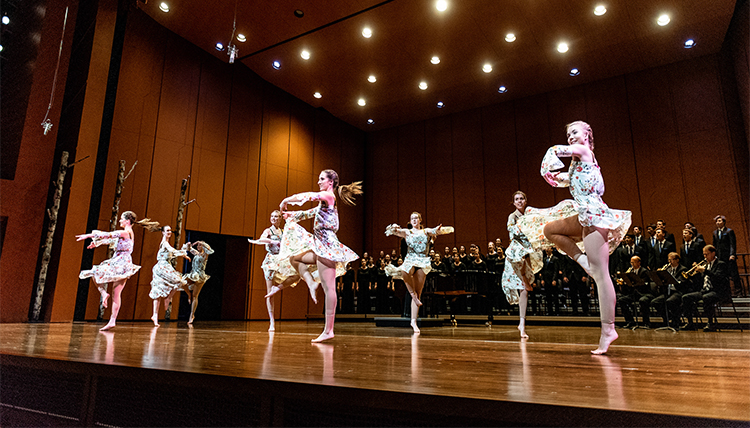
point(650, 373)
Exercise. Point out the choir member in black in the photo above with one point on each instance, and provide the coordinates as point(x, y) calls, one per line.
point(364, 275)
point(662, 249)
point(715, 280)
point(620, 259)
point(629, 295)
point(672, 297)
point(577, 282)
point(661, 224)
point(698, 236)
point(383, 288)
point(638, 238)
point(549, 278)
point(447, 257)
point(465, 258)
point(649, 243)
point(725, 242)
point(347, 289)
point(457, 265)
point(691, 250)
point(477, 264)
point(491, 257)
point(437, 264)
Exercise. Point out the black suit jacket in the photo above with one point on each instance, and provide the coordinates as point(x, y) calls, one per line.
point(650, 260)
point(727, 245)
point(693, 255)
point(550, 270)
point(719, 276)
point(662, 257)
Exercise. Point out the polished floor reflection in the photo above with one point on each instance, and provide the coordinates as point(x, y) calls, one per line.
point(689, 373)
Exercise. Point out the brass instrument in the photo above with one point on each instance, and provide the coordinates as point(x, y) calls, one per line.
point(663, 267)
point(621, 281)
point(694, 270)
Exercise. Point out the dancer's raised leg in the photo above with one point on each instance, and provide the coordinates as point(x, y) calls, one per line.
point(561, 233)
point(595, 241)
point(410, 282)
point(327, 272)
point(300, 263)
point(116, 300)
point(105, 295)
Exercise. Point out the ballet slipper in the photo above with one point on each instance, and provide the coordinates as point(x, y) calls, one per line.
point(522, 328)
point(274, 290)
point(313, 290)
point(608, 336)
point(323, 336)
point(414, 326)
point(583, 260)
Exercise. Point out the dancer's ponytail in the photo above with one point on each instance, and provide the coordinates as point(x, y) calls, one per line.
point(349, 191)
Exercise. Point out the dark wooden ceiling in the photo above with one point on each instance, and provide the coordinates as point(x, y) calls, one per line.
point(469, 34)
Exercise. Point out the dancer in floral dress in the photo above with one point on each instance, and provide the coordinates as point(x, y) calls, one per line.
point(321, 248)
point(522, 261)
point(197, 277)
point(166, 281)
point(116, 270)
point(271, 238)
point(585, 219)
point(417, 264)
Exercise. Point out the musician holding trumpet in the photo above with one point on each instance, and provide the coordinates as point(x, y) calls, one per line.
point(714, 277)
point(672, 297)
point(629, 295)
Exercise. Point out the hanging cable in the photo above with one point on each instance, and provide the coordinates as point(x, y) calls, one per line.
point(46, 123)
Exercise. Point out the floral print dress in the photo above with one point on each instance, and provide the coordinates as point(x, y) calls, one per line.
point(323, 242)
point(197, 274)
point(165, 278)
point(119, 267)
point(587, 188)
point(517, 265)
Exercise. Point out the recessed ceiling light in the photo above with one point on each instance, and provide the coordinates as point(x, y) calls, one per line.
point(241, 38)
point(219, 47)
point(423, 85)
point(305, 55)
point(441, 5)
point(367, 33)
point(299, 13)
point(600, 10)
point(689, 43)
point(510, 37)
point(1, 48)
point(6, 20)
point(361, 102)
point(276, 65)
point(372, 79)
point(370, 121)
point(487, 68)
point(502, 89)
point(440, 104)
point(574, 72)
point(562, 47)
point(164, 7)
point(663, 20)
point(435, 60)
point(318, 95)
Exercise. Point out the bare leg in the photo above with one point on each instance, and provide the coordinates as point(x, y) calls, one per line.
point(597, 248)
point(327, 272)
point(300, 263)
point(418, 278)
point(522, 303)
point(155, 316)
point(116, 301)
point(269, 303)
point(194, 304)
point(410, 282)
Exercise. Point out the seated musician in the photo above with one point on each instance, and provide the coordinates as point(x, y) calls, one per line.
point(715, 280)
point(672, 296)
point(628, 295)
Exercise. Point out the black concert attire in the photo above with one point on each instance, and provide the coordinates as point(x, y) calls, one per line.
point(715, 289)
point(551, 272)
point(661, 252)
point(364, 276)
point(725, 242)
point(578, 284)
point(629, 295)
point(691, 252)
point(672, 297)
point(347, 291)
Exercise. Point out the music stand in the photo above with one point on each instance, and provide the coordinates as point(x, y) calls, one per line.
point(636, 282)
point(663, 278)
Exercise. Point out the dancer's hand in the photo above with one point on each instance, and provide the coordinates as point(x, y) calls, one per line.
point(551, 178)
point(83, 236)
point(287, 214)
point(91, 246)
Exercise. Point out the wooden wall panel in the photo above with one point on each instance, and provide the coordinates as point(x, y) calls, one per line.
point(500, 169)
point(411, 194)
point(468, 178)
point(439, 205)
point(533, 139)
